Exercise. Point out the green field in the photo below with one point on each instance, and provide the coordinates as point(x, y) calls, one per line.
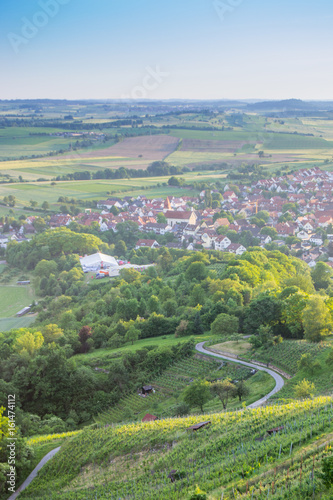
point(14, 298)
point(101, 189)
point(7, 324)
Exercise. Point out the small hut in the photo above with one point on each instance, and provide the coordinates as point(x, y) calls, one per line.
point(275, 430)
point(146, 389)
point(149, 418)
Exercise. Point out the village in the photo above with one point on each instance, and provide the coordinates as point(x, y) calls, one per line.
point(293, 213)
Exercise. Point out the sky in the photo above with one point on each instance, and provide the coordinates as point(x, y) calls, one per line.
point(166, 49)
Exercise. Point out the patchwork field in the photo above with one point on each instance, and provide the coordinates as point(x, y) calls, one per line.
point(151, 187)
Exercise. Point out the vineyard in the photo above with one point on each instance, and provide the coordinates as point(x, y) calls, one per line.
point(168, 388)
point(273, 452)
point(287, 354)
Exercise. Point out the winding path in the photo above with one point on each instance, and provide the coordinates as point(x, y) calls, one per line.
point(279, 382)
point(34, 473)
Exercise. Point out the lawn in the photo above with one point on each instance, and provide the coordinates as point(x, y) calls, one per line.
point(7, 324)
point(14, 298)
point(234, 347)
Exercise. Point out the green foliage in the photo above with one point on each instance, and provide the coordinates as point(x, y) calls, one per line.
point(308, 364)
point(322, 275)
point(327, 471)
point(264, 337)
point(317, 320)
point(224, 324)
point(304, 389)
point(197, 394)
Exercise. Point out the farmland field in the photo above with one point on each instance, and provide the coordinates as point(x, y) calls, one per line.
point(155, 147)
point(14, 298)
point(99, 189)
point(7, 324)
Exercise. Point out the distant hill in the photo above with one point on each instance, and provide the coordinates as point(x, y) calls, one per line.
point(284, 105)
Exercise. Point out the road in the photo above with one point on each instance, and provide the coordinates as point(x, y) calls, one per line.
point(279, 382)
point(34, 473)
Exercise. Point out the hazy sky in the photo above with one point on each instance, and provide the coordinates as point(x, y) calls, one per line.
point(161, 49)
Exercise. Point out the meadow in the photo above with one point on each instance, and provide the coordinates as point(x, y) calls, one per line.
point(13, 299)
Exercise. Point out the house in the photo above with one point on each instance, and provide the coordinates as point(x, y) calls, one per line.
point(146, 244)
point(149, 418)
point(108, 204)
point(222, 242)
point(156, 227)
point(236, 249)
point(3, 241)
point(223, 221)
point(316, 240)
point(177, 217)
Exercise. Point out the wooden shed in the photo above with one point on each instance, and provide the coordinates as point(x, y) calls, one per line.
point(196, 427)
point(147, 389)
point(149, 418)
point(276, 429)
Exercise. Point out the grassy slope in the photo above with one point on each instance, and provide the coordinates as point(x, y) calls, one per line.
point(133, 461)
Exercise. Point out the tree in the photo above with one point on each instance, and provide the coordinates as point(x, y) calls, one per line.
point(29, 343)
point(120, 248)
point(197, 325)
point(45, 205)
point(241, 390)
point(45, 268)
point(327, 471)
point(208, 198)
point(197, 394)
point(39, 224)
point(132, 334)
point(308, 364)
point(317, 320)
point(269, 231)
point(224, 324)
point(84, 336)
point(52, 333)
point(161, 219)
point(304, 389)
point(223, 390)
point(265, 310)
point(196, 270)
point(182, 329)
point(322, 276)
point(33, 203)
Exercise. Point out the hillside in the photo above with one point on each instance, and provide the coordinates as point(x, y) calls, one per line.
point(234, 457)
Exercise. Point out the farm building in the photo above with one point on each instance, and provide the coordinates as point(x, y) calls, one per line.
point(23, 311)
point(147, 389)
point(97, 261)
point(149, 418)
